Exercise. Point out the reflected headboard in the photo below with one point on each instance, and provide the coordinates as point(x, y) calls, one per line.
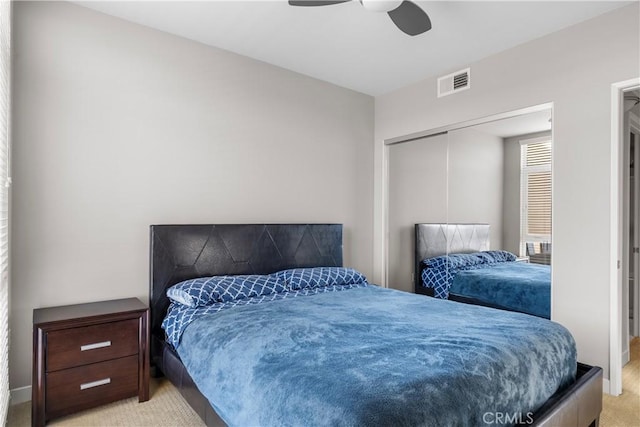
point(182, 252)
point(433, 240)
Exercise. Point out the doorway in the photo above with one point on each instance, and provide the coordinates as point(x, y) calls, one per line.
point(631, 220)
point(624, 263)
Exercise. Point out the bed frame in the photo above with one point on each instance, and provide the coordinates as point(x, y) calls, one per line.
point(181, 252)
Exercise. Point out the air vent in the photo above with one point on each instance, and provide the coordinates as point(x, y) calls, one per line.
point(454, 82)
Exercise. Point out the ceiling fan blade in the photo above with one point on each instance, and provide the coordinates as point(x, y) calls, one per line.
point(315, 3)
point(410, 18)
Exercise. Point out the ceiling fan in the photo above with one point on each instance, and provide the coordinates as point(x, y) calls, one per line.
point(407, 16)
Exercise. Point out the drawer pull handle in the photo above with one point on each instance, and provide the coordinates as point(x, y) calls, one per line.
point(94, 346)
point(95, 383)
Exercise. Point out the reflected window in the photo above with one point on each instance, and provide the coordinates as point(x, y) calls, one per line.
point(535, 199)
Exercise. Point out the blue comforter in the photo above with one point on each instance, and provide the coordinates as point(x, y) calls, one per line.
point(516, 286)
point(374, 357)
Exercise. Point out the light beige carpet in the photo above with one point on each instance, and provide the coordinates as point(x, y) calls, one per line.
point(167, 408)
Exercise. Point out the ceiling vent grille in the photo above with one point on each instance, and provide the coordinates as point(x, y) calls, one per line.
point(454, 82)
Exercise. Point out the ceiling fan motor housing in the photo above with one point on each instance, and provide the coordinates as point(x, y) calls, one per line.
point(407, 16)
point(381, 5)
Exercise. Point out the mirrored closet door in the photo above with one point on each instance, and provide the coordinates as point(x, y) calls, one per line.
point(496, 174)
point(417, 192)
point(500, 175)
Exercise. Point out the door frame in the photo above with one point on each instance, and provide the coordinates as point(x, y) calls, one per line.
point(616, 209)
point(635, 328)
point(629, 214)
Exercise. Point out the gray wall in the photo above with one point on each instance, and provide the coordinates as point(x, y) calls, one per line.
point(417, 193)
point(573, 68)
point(476, 168)
point(457, 177)
point(117, 126)
point(511, 205)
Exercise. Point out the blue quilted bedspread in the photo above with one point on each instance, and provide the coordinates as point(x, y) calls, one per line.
point(374, 357)
point(513, 285)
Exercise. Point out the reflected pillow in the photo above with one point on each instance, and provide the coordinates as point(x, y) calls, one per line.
point(456, 260)
point(469, 260)
point(300, 278)
point(210, 290)
point(501, 256)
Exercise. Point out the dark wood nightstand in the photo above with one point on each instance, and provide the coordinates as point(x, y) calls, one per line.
point(87, 355)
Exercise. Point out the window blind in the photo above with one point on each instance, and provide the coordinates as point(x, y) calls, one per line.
point(5, 121)
point(539, 203)
point(536, 189)
point(538, 154)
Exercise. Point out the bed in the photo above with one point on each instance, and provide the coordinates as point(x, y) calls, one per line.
point(253, 359)
point(454, 261)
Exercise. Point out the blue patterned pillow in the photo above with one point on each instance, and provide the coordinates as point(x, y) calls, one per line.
point(209, 290)
point(455, 260)
point(501, 256)
point(300, 278)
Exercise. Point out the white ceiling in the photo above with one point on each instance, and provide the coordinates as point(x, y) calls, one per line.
point(352, 47)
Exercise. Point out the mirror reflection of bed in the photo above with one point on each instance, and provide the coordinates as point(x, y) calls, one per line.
point(454, 261)
point(496, 173)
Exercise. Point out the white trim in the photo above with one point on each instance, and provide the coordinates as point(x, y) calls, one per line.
point(20, 395)
point(625, 357)
point(605, 386)
point(615, 297)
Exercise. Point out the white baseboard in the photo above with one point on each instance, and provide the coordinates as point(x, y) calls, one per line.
point(20, 395)
point(605, 386)
point(626, 357)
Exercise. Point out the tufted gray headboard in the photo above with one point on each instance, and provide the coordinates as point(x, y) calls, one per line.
point(439, 239)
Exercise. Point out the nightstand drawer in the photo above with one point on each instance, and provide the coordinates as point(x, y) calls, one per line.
point(76, 389)
point(73, 347)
